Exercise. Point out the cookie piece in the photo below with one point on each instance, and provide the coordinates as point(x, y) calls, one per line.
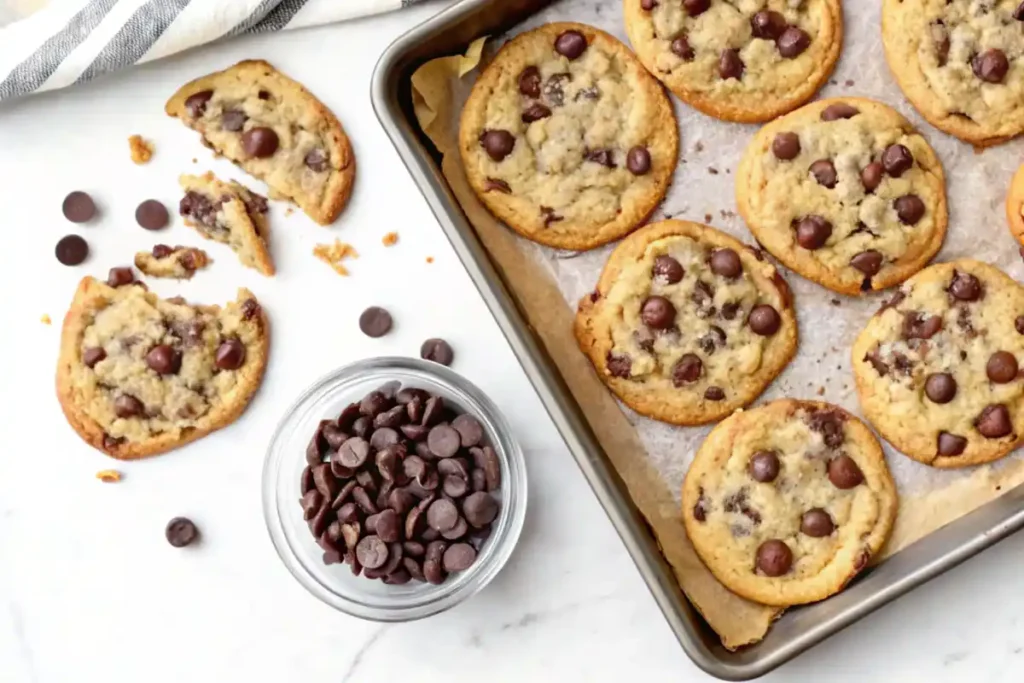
point(567, 139)
point(846, 193)
point(787, 502)
point(687, 324)
point(231, 213)
point(937, 366)
point(1015, 206)
point(175, 262)
point(960, 63)
point(276, 130)
point(139, 375)
point(749, 61)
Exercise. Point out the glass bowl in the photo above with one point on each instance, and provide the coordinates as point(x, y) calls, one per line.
point(335, 584)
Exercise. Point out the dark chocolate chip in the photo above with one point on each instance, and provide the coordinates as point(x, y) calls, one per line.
point(868, 262)
point(383, 437)
point(786, 146)
point(233, 120)
point(917, 325)
point(1001, 367)
point(812, 232)
point(230, 354)
point(71, 250)
point(152, 215)
point(196, 103)
point(816, 523)
point(126, 406)
point(311, 502)
point(658, 312)
point(774, 558)
point(839, 110)
point(535, 112)
point(443, 441)
point(442, 515)
point(372, 552)
point(940, 387)
point(353, 453)
point(991, 65)
point(316, 160)
point(181, 531)
point(78, 207)
point(824, 171)
point(696, 7)
point(120, 276)
point(950, 445)
point(487, 460)
point(910, 209)
point(497, 143)
point(667, 269)
point(459, 557)
point(437, 350)
point(469, 429)
point(965, 286)
point(897, 160)
point(163, 360)
point(570, 44)
point(730, 65)
point(529, 82)
point(764, 320)
point(375, 322)
point(638, 160)
point(844, 473)
point(994, 421)
point(93, 355)
point(620, 365)
point(600, 156)
point(260, 142)
point(726, 262)
point(793, 42)
point(714, 394)
point(763, 466)
point(767, 25)
point(871, 176)
point(480, 509)
point(681, 48)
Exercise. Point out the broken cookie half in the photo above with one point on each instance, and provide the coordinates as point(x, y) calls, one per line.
point(276, 130)
point(228, 212)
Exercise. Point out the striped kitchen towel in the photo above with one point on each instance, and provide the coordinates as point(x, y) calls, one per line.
point(49, 44)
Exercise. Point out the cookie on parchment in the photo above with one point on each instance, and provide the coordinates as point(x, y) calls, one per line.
point(846, 193)
point(937, 366)
point(276, 130)
point(960, 63)
point(687, 324)
point(738, 61)
point(567, 139)
point(139, 375)
point(1015, 206)
point(786, 502)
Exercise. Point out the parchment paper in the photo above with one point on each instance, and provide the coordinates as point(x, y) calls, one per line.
point(651, 457)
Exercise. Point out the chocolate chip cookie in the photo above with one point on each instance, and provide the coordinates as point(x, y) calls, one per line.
point(567, 139)
point(786, 502)
point(139, 375)
point(1015, 206)
point(738, 61)
point(230, 213)
point(177, 262)
point(846, 193)
point(937, 366)
point(687, 324)
point(276, 130)
point(960, 63)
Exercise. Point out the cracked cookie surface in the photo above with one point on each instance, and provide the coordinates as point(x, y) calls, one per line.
point(937, 366)
point(276, 130)
point(687, 324)
point(738, 60)
point(567, 139)
point(1015, 206)
point(960, 63)
point(786, 502)
point(139, 375)
point(846, 193)
point(230, 213)
point(177, 262)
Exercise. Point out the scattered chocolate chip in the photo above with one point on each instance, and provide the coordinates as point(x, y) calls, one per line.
point(767, 25)
point(991, 65)
point(181, 531)
point(126, 406)
point(910, 208)
point(764, 320)
point(965, 287)
point(726, 262)
point(196, 103)
point(163, 360)
point(824, 171)
point(658, 312)
point(730, 65)
point(1001, 367)
point(812, 232)
point(570, 44)
point(940, 387)
point(260, 142)
point(950, 445)
point(71, 250)
point(375, 322)
point(535, 112)
point(437, 350)
point(120, 276)
point(868, 262)
point(793, 42)
point(638, 160)
point(994, 421)
point(681, 48)
point(152, 215)
point(763, 466)
point(529, 82)
point(774, 558)
point(816, 523)
point(667, 269)
point(78, 207)
point(687, 370)
point(230, 354)
point(844, 473)
point(871, 176)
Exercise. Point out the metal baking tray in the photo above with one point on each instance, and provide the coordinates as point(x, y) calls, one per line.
point(799, 628)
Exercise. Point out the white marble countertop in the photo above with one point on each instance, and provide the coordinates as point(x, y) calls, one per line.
point(89, 588)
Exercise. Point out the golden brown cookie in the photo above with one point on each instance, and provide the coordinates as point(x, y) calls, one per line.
point(937, 366)
point(276, 130)
point(139, 375)
point(1015, 206)
point(846, 193)
point(567, 139)
point(960, 63)
point(786, 502)
point(179, 262)
point(687, 324)
point(738, 61)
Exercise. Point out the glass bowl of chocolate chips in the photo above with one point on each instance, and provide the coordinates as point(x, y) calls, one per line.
point(393, 489)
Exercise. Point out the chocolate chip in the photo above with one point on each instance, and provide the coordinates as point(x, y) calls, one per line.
point(233, 120)
point(549, 215)
point(991, 65)
point(1001, 367)
point(994, 421)
point(764, 320)
point(812, 232)
point(437, 350)
point(71, 250)
point(121, 276)
point(786, 146)
point(844, 473)
point(868, 262)
point(950, 444)
point(696, 7)
point(638, 160)
point(767, 25)
point(667, 269)
point(1018, 13)
point(311, 502)
point(712, 340)
point(793, 42)
point(372, 552)
point(487, 460)
point(433, 410)
point(442, 515)
point(459, 557)
point(324, 481)
point(620, 365)
point(940, 387)
point(162, 251)
point(726, 262)
point(824, 171)
point(181, 531)
point(196, 103)
point(917, 325)
point(1018, 324)
point(383, 437)
point(353, 453)
point(658, 312)
point(897, 160)
point(965, 286)
point(78, 207)
point(714, 394)
point(839, 110)
point(316, 160)
point(570, 44)
point(648, 5)
point(816, 523)
point(600, 156)
point(763, 466)
point(93, 355)
point(681, 48)
point(497, 143)
point(152, 215)
point(230, 354)
point(535, 112)
point(730, 65)
point(163, 360)
point(375, 322)
point(443, 441)
point(260, 142)
point(910, 208)
point(469, 429)
point(529, 82)
point(393, 417)
point(774, 558)
point(480, 509)
point(126, 406)
point(871, 176)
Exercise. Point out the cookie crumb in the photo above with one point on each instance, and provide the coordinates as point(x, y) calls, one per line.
point(712, 170)
point(707, 218)
point(109, 476)
point(821, 391)
point(849, 83)
point(835, 302)
point(699, 147)
point(725, 213)
point(430, 259)
point(194, 160)
point(390, 239)
point(334, 254)
point(142, 149)
point(45, 319)
point(289, 211)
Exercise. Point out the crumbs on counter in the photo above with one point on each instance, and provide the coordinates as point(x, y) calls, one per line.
point(45, 319)
point(142, 149)
point(109, 476)
point(821, 391)
point(390, 239)
point(334, 254)
point(707, 218)
point(289, 211)
point(712, 170)
point(194, 160)
point(699, 147)
point(835, 301)
point(430, 259)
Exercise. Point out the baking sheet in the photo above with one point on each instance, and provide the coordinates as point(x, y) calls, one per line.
point(651, 457)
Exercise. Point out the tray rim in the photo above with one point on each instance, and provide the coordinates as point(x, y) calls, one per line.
point(923, 560)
